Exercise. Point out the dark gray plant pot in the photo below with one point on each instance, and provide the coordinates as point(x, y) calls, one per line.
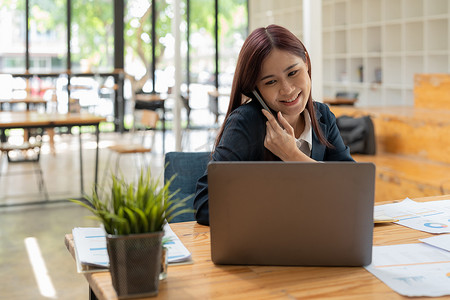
point(135, 263)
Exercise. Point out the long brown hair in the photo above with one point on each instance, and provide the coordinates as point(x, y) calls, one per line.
point(255, 49)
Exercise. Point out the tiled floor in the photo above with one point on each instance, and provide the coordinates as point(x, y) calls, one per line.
point(46, 224)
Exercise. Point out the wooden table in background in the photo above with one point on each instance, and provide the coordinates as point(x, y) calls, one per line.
point(29, 100)
point(340, 101)
point(204, 280)
point(32, 119)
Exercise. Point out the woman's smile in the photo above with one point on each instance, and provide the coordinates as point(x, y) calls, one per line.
point(294, 100)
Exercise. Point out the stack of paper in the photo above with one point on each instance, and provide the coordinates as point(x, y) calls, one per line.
point(432, 217)
point(420, 269)
point(412, 269)
point(90, 249)
point(178, 254)
point(92, 256)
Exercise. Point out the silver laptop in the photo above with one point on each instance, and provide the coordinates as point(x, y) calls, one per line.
point(291, 213)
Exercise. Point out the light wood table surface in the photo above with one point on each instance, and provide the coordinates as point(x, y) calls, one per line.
point(204, 280)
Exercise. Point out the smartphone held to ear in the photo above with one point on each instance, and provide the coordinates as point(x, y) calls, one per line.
point(260, 99)
point(264, 105)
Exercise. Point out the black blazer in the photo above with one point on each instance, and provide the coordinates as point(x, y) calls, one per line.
point(243, 140)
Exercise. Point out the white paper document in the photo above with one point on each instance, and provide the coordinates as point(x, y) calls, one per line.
point(440, 241)
point(178, 253)
point(92, 255)
point(90, 249)
point(412, 269)
point(432, 217)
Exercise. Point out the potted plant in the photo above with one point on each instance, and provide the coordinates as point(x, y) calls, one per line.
point(133, 217)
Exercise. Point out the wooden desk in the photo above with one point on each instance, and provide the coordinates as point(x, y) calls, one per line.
point(204, 280)
point(26, 120)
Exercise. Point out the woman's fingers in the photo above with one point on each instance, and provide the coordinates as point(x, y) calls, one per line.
point(269, 117)
point(285, 124)
point(272, 121)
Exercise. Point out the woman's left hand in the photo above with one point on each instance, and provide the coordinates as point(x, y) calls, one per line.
point(280, 139)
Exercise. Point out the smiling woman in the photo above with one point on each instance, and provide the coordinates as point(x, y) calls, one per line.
point(275, 63)
point(285, 85)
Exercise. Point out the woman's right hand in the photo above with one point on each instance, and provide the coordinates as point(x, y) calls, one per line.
point(280, 139)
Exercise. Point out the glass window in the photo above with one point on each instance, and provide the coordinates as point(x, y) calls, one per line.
point(164, 47)
point(92, 36)
point(13, 35)
point(202, 61)
point(233, 24)
point(138, 45)
point(137, 35)
point(232, 33)
point(92, 45)
point(47, 36)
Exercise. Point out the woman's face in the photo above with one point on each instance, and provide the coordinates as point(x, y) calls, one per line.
point(284, 83)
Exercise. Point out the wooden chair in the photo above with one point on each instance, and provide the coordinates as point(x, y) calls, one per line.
point(27, 152)
point(145, 120)
point(188, 168)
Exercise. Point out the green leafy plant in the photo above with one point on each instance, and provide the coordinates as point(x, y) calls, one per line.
point(135, 208)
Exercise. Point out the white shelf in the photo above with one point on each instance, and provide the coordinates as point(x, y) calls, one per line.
point(356, 40)
point(340, 42)
point(436, 7)
point(389, 41)
point(381, 42)
point(437, 64)
point(355, 9)
point(340, 13)
point(414, 9)
point(414, 36)
point(392, 38)
point(437, 34)
point(392, 10)
point(413, 65)
point(372, 11)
